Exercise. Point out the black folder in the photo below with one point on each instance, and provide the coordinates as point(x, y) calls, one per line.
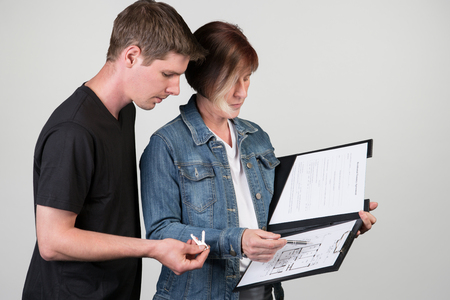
point(289, 228)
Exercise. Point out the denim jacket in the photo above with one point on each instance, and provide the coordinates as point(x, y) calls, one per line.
point(186, 187)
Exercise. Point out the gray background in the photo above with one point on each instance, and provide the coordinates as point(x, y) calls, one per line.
point(331, 72)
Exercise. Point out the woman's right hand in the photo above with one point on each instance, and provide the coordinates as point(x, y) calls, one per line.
point(260, 245)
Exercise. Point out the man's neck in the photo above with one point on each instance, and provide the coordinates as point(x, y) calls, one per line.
point(108, 86)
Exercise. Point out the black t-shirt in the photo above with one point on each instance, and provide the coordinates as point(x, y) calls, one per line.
point(85, 162)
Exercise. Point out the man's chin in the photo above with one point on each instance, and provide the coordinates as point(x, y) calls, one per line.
point(147, 106)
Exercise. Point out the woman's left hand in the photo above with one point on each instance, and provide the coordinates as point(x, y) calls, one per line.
point(368, 219)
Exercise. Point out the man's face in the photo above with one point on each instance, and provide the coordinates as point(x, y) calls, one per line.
point(151, 84)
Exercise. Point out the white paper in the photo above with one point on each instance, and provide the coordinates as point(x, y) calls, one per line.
point(323, 183)
point(321, 251)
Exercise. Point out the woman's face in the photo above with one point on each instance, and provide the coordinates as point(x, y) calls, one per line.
point(229, 106)
point(236, 95)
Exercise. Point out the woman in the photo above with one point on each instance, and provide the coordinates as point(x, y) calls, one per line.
point(209, 170)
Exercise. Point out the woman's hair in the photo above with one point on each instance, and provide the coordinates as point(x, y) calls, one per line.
point(156, 28)
point(229, 54)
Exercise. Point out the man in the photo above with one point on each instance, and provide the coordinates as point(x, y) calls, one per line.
point(85, 182)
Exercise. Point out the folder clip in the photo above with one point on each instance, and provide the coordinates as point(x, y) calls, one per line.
point(344, 242)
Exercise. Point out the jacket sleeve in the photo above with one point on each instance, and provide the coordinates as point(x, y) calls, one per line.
point(162, 203)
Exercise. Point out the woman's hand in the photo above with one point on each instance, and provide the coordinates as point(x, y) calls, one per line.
point(368, 219)
point(260, 245)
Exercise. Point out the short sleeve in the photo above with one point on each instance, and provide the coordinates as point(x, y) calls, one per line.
point(64, 164)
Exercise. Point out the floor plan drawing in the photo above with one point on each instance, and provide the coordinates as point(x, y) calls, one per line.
point(297, 258)
point(321, 251)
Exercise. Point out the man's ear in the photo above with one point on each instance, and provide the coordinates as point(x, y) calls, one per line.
point(131, 55)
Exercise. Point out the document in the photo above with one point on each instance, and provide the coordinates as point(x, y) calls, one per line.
point(316, 201)
point(323, 183)
point(322, 250)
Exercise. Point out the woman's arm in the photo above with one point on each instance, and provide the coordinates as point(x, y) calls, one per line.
point(162, 204)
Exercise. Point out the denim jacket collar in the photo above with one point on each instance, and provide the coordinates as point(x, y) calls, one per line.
point(200, 132)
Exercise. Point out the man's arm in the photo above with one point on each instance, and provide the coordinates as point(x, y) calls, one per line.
point(59, 239)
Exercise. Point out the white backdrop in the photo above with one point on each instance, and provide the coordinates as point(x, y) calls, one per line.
point(331, 72)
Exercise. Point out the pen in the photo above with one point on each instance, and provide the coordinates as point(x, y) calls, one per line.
point(297, 242)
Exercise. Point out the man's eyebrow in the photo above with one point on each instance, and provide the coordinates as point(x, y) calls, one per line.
point(172, 72)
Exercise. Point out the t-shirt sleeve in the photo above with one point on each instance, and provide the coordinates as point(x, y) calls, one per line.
point(65, 163)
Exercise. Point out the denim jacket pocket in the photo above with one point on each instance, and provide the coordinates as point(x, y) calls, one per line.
point(267, 163)
point(197, 187)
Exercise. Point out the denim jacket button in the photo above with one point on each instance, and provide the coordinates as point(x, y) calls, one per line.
point(258, 196)
point(264, 228)
point(232, 252)
point(249, 165)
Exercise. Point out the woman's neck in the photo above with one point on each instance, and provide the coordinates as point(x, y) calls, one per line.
point(213, 119)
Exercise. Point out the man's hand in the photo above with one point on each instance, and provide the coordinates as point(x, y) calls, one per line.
point(180, 257)
point(368, 219)
point(260, 245)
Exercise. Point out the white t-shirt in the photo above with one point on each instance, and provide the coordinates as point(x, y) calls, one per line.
point(246, 211)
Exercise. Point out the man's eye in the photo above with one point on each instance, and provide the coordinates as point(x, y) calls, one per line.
point(167, 75)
